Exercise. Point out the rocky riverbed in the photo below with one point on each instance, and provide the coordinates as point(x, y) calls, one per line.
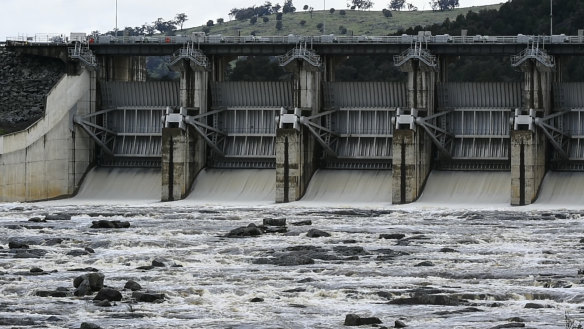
point(25, 82)
point(175, 266)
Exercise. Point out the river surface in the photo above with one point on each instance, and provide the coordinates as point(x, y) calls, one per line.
point(483, 266)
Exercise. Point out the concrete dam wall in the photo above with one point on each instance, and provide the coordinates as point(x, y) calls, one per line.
point(48, 159)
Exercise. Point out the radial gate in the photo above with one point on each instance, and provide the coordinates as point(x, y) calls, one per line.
point(128, 126)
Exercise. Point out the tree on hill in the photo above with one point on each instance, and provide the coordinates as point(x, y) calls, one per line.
point(164, 27)
point(360, 4)
point(397, 4)
point(180, 19)
point(443, 5)
point(288, 7)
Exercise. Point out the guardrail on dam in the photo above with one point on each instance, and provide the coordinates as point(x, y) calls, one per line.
point(112, 117)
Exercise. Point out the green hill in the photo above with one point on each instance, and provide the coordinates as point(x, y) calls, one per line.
point(356, 22)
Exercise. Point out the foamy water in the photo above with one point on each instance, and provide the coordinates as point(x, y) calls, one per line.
point(467, 188)
point(120, 185)
point(491, 262)
point(350, 187)
point(562, 189)
point(234, 185)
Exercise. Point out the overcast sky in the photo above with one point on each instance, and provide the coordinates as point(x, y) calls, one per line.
point(29, 17)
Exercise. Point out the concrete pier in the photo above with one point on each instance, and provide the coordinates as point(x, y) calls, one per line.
point(295, 149)
point(527, 166)
point(529, 147)
point(183, 151)
point(412, 148)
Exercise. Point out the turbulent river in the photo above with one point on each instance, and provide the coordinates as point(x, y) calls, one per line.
point(426, 266)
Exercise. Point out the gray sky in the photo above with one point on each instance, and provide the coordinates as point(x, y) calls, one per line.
point(29, 17)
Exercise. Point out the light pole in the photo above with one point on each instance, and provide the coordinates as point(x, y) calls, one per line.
point(116, 17)
point(551, 19)
point(324, 17)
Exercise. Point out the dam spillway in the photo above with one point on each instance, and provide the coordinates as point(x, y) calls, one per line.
point(194, 130)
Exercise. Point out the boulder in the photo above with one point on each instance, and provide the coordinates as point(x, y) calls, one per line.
point(392, 236)
point(109, 224)
point(83, 289)
point(249, 230)
point(51, 293)
point(132, 285)
point(315, 233)
point(256, 300)
point(427, 299)
point(87, 325)
point(147, 297)
point(17, 245)
point(108, 294)
point(509, 325)
point(534, 305)
point(274, 221)
point(158, 263)
point(355, 320)
point(102, 303)
point(77, 253)
point(94, 281)
point(399, 324)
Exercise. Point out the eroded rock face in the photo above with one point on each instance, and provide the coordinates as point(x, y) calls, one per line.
point(25, 81)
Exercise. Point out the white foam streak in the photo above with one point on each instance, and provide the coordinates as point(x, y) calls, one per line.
point(349, 187)
point(467, 188)
point(562, 188)
point(117, 184)
point(234, 185)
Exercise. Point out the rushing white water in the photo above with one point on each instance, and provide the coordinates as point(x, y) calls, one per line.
point(350, 186)
point(467, 187)
point(234, 185)
point(117, 184)
point(562, 188)
point(490, 264)
point(486, 264)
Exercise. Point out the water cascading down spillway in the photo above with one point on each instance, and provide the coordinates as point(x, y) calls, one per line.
point(355, 132)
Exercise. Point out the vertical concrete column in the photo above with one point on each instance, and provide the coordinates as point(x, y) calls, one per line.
point(122, 68)
point(175, 159)
point(412, 149)
point(411, 165)
point(537, 86)
point(183, 151)
point(527, 165)
point(83, 147)
point(295, 149)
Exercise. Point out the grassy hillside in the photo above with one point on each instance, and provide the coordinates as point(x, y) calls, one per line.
point(356, 22)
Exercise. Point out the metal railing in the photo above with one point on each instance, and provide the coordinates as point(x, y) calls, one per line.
point(533, 52)
point(300, 53)
point(190, 53)
point(84, 54)
point(296, 39)
point(419, 53)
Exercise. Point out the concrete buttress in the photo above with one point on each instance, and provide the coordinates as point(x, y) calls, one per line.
point(295, 149)
point(183, 151)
